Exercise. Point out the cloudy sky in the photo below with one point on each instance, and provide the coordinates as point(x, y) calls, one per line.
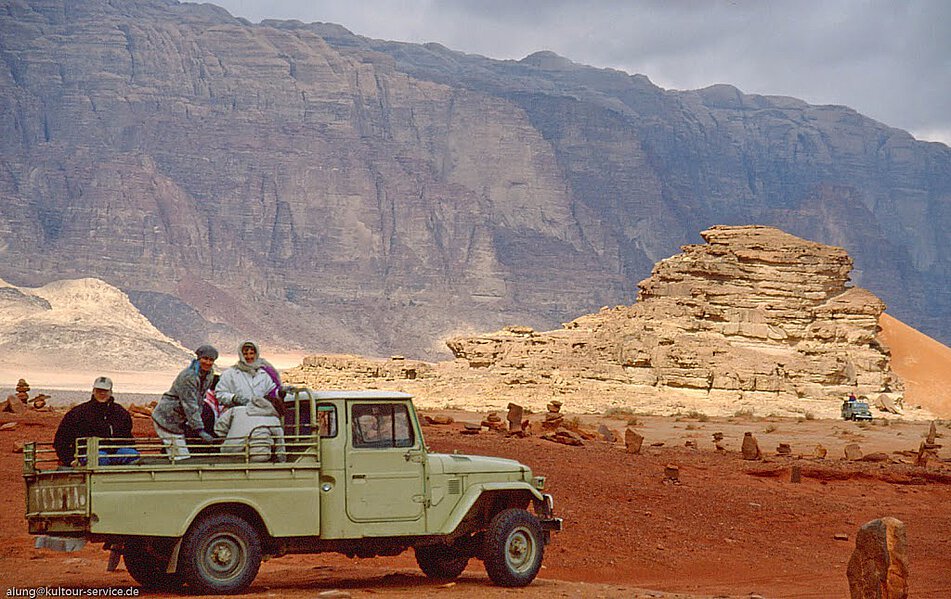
point(888, 59)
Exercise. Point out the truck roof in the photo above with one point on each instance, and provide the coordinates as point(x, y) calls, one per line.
point(350, 395)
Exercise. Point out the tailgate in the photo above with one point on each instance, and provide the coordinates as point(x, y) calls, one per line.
point(57, 501)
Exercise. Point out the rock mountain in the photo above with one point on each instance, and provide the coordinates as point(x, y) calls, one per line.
point(309, 187)
point(83, 324)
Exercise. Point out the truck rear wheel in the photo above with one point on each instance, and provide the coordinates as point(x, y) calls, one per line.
point(220, 554)
point(440, 562)
point(146, 565)
point(513, 548)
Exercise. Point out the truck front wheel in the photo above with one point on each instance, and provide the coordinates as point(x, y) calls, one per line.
point(513, 548)
point(220, 554)
point(440, 562)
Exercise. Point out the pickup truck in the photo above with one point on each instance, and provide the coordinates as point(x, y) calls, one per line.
point(856, 410)
point(357, 479)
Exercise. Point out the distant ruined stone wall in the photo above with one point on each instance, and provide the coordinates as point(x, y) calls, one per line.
point(754, 310)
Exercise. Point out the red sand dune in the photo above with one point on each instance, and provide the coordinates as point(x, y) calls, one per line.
point(923, 363)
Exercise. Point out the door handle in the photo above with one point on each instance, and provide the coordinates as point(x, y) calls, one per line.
point(359, 476)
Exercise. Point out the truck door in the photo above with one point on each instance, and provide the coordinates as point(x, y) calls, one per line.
point(385, 472)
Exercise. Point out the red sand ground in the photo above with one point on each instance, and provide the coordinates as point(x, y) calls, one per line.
point(730, 529)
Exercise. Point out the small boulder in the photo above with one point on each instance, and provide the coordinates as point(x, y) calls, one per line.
point(878, 568)
point(633, 441)
point(853, 452)
point(750, 447)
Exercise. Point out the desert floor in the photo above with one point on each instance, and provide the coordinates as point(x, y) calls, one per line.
point(730, 528)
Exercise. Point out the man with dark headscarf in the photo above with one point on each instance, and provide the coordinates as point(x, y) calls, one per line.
point(178, 413)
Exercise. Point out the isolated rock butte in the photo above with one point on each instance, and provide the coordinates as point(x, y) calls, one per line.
point(754, 310)
point(755, 319)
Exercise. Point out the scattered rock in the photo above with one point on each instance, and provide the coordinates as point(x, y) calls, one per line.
point(563, 436)
point(784, 449)
point(691, 444)
point(11, 404)
point(932, 434)
point(471, 429)
point(840, 536)
point(607, 434)
point(926, 453)
point(514, 417)
point(717, 437)
point(18, 446)
point(795, 475)
point(750, 447)
point(671, 474)
point(821, 452)
point(633, 441)
point(39, 401)
point(438, 420)
point(554, 406)
point(878, 568)
point(853, 452)
point(8, 426)
point(875, 457)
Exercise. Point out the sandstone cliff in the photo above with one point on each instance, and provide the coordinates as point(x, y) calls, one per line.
point(308, 187)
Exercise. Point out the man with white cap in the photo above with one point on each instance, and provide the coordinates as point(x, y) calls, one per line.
point(99, 417)
point(178, 413)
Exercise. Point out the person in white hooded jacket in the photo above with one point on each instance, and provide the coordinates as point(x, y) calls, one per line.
point(258, 425)
point(252, 376)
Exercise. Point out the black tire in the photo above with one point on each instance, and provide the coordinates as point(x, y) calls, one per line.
point(440, 562)
point(513, 548)
point(221, 554)
point(146, 564)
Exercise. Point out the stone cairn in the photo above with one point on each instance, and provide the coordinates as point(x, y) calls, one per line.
point(554, 418)
point(928, 450)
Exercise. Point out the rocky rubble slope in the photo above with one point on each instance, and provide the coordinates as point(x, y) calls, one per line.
point(755, 319)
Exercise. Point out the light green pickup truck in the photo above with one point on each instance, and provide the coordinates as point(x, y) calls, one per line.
point(358, 480)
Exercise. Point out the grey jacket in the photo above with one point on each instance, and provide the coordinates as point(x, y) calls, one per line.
point(256, 424)
point(179, 410)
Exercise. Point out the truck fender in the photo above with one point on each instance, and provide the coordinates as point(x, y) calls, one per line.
point(473, 494)
point(223, 502)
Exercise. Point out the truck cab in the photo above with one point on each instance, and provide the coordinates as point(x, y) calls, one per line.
point(358, 479)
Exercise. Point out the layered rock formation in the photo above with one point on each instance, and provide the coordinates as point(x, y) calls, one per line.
point(755, 320)
point(305, 186)
point(755, 310)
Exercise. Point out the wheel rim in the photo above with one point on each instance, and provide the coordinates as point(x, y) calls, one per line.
point(224, 556)
point(520, 550)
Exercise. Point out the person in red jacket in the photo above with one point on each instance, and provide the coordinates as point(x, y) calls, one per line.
point(100, 417)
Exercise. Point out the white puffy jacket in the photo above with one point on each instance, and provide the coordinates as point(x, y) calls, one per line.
point(256, 425)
